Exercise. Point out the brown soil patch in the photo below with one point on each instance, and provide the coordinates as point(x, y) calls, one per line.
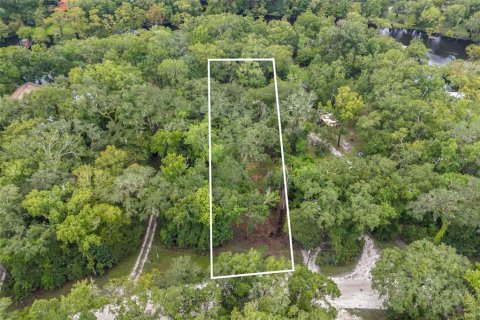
point(264, 237)
point(258, 171)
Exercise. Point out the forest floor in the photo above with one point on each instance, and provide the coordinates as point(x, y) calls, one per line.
point(264, 238)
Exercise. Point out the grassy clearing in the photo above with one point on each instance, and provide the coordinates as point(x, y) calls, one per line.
point(332, 271)
point(397, 243)
point(369, 314)
point(297, 256)
point(122, 269)
point(161, 257)
point(44, 294)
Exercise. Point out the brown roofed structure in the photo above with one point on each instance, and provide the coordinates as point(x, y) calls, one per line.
point(62, 5)
point(329, 120)
point(24, 89)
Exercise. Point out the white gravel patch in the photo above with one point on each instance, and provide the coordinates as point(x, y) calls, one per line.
point(356, 286)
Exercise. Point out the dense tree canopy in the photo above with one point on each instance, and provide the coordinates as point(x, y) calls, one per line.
point(118, 131)
point(424, 281)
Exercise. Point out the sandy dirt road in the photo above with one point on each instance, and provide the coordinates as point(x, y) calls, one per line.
point(145, 249)
point(3, 276)
point(356, 286)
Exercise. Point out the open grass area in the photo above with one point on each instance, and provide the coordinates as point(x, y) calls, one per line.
point(332, 271)
point(297, 256)
point(122, 269)
point(369, 314)
point(397, 243)
point(44, 294)
point(239, 247)
point(161, 257)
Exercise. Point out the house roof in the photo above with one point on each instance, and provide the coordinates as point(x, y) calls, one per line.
point(62, 5)
point(23, 89)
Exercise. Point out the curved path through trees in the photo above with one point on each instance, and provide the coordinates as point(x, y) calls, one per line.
point(145, 249)
point(356, 286)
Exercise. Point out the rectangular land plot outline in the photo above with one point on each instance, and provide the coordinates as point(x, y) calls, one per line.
point(210, 169)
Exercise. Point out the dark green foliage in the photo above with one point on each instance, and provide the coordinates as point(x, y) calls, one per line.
point(432, 275)
point(119, 132)
point(344, 248)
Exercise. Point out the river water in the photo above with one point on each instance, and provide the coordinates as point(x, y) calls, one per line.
point(441, 49)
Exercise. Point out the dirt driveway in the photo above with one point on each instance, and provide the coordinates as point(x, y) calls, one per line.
point(356, 286)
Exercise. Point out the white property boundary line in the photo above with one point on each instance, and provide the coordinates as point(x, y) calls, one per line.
point(210, 171)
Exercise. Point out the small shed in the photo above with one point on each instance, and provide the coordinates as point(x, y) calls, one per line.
point(24, 89)
point(329, 120)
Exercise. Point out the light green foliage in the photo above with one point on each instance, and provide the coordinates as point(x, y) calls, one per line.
point(81, 301)
point(281, 33)
point(249, 313)
point(130, 190)
point(431, 275)
point(230, 263)
point(128, 17)
point(473, 24)
point(92, 227)
point(181, 272)
point(65, 24)
point(455, 204)
point(250, 74)
point(119, 132)
point(183, 301)
point(274, 295)
point(4, 30)
point(197, 139)
point(47, 203)
point(305, 286)
point(347, 103)
point(473, 52)
point(192, 7)
point(112, 159)
point(108, 74)
point(172, 72)
point(173, 165)
point(432, 16)
point(165, 142)
point(5, 304)
point(416, 49)
point(298, 110)
point(455, 13)
point(471, 300)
